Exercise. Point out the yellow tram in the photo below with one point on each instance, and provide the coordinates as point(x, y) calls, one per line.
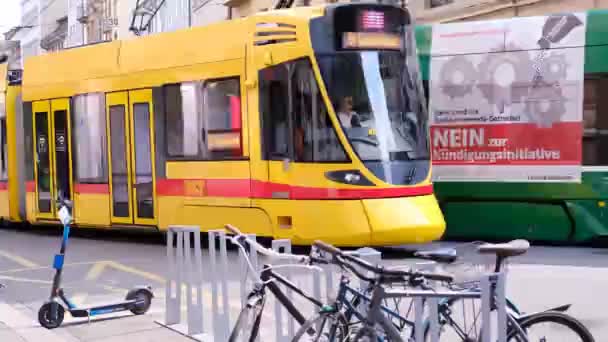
point(305, 123)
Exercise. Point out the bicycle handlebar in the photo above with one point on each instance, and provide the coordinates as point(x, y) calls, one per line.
point(263, 250)
point(232, 229)
point(327, 248)
point(381, 271)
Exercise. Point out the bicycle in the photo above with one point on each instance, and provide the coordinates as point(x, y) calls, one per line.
point(517, 325)
point(347, 309)
point(268, 279)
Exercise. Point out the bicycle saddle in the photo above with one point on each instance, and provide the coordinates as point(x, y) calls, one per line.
point(505, 250)
point(444, 255)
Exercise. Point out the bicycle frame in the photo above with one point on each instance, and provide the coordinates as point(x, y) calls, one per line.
point(375, 315)
point(351, 308)
point(270, 278)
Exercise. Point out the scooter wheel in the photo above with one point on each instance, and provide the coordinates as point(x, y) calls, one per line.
point(46, 319)
point(143, 299)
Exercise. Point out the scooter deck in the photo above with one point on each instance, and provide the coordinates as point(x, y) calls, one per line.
point(96, 310)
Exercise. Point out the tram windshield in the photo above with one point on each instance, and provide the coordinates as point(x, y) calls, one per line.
point(379, 103)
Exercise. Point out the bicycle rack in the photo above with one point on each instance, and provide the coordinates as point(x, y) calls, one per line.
point(187, 265)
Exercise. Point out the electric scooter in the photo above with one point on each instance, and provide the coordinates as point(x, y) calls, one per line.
point(51, 313)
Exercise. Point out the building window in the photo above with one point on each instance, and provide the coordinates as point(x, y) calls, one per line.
point(204, 120)
point(90, 142)
point(3, 142)
point(439, 3)
point(294, 117)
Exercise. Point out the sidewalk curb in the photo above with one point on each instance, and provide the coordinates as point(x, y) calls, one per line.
point(182, 329)
point(21, 320)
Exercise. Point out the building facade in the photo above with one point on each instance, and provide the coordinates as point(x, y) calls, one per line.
point(53, 24)
point(50, 25)
point(29, 32)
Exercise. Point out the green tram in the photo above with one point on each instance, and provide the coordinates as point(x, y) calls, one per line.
point(574, 212)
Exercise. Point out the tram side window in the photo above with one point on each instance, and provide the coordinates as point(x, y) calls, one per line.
point(294, 116)
point(3, 144)
point(595, 119)
point(204, 120)
point(89, 134)
point(222, 110)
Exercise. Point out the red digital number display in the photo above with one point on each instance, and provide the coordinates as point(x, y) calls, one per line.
point(372, 20)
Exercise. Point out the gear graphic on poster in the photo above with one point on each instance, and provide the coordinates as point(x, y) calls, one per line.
point(457, 76)
point(512, 90)
point(553, 68)
point(545, 104)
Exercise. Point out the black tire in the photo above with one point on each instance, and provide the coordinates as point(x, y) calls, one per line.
point(144, 300)
point(557, 318)
point(45, 318)
point(337, 328)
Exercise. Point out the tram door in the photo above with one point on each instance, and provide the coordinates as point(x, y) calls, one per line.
point(131, 160)
point(53, 173)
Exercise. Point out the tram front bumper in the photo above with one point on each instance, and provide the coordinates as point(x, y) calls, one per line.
point(395, 221)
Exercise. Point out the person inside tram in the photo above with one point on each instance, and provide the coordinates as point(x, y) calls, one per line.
point(348, 117)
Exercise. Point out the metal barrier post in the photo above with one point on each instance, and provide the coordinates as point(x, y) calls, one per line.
point(185, 272)
point(219, 283)
point(173, 289)
point(194, 283)
point(433, 319)
point(419, 319)
point(283, 246)
point(501, 303)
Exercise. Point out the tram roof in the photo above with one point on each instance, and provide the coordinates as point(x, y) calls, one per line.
point(88, 68)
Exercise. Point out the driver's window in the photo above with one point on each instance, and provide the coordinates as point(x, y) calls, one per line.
point(294, 116)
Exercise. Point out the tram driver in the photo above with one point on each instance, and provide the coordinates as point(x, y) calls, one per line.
point(348, 117)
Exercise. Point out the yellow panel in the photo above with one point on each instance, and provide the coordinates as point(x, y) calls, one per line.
point(83, 63)
point(174, 212)
point(208, 169)
point(93, 209)
point(403, 220)
point(187, 47)
point(30, 205)
point(3, 77)
point(14, 187)
point(343, 222)
point(4, 204)
point(142, 79)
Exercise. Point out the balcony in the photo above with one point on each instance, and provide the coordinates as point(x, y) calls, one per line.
point(55, 40)
point(82, 13)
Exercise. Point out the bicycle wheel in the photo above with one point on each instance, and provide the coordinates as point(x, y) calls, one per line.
point(459, 320)
point(562, 327)
point(323, 327)
point(248, 323)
